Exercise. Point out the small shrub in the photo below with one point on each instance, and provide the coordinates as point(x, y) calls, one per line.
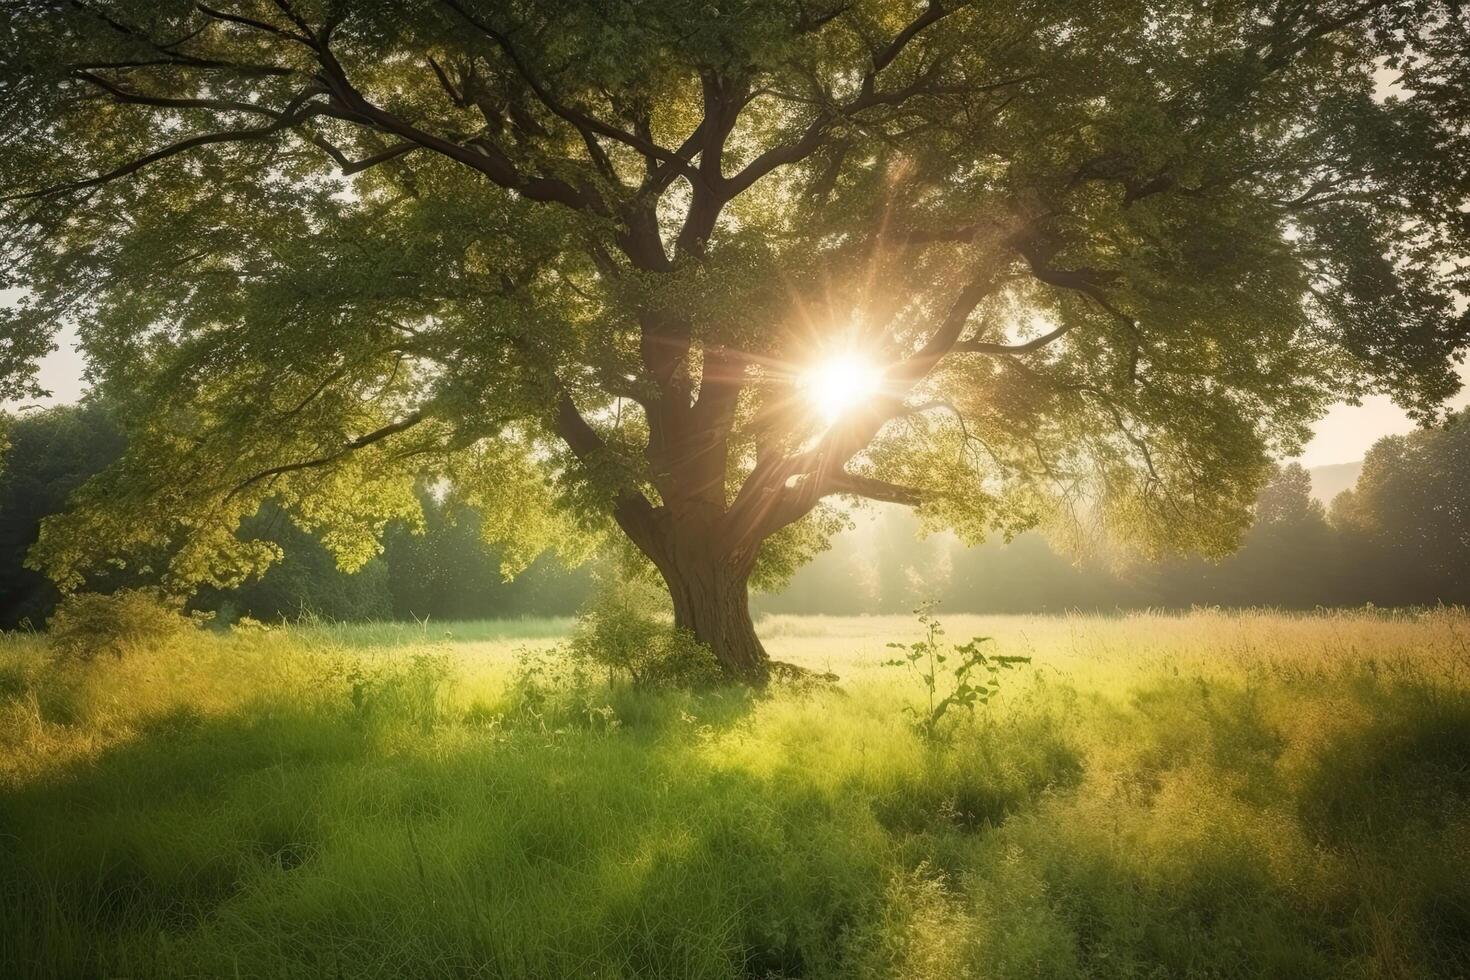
point(249, 625)
point(551, 690)
point(88, 623)
point(413, 691)
point(953, 676)
point(626, 629)
point(681, 661)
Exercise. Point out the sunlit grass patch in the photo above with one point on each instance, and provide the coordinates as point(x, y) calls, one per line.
point(390, 635)
point(1211, 795)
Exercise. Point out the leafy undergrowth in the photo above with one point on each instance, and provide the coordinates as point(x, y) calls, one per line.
point(1210, 795)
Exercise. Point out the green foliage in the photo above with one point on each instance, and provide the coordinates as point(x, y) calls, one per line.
point(547, 687)
point(449, 568)
point(52, 452)
point(89, 624)
point(571, 261)
point(415, 691)
point(1395, 540)
point(958, 676)
point(442, 569)
point(1408, 518)
point(306, 580)
point(626, 629)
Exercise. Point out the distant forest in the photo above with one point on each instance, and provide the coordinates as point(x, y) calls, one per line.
point(1399, 536)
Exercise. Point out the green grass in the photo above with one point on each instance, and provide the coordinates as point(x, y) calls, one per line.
point(1155, 796)
point(394, 634)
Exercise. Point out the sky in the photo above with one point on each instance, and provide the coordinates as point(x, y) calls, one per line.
point(1347, 430)
point(1344, 435)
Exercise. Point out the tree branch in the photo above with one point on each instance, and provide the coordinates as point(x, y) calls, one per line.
point(483, 155)
point(349, 166)
point(120, 94)
point(874, 489)
point(289, 118)
point(258, 25)
point(867, 97)
point(631, 509)
point(882, 59)
point(586, 124)
point(1035, 344)
point(913, 369)
point(361, 442)
point(779, 491)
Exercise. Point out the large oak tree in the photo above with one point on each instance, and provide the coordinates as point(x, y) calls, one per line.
point(575, 259)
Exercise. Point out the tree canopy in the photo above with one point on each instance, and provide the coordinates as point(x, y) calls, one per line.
point(50, 454)
point(1409, 515)
point(575, 259)
point(444, 572)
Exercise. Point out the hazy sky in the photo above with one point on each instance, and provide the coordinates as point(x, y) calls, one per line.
point(1348, 430)
point(1344, 435)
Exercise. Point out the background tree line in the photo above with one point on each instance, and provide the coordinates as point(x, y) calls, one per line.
point(1400, 536)
point(445, 572)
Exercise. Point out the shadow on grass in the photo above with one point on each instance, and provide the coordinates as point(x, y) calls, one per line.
point(285, 839)
point(1408, 771)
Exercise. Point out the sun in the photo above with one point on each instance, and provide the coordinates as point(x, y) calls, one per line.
point(839, 384)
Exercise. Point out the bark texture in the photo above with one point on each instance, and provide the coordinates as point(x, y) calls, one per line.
point(712, 601)
point(710, 589)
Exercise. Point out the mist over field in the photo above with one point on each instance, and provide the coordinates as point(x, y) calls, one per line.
point(1390, 531)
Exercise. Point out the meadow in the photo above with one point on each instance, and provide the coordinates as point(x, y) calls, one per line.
point(1206, 795)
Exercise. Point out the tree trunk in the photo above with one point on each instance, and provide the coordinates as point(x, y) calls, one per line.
point(712, 600)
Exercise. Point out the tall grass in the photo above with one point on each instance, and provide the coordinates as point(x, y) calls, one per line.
point(398, 634)
point(1214, 794)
